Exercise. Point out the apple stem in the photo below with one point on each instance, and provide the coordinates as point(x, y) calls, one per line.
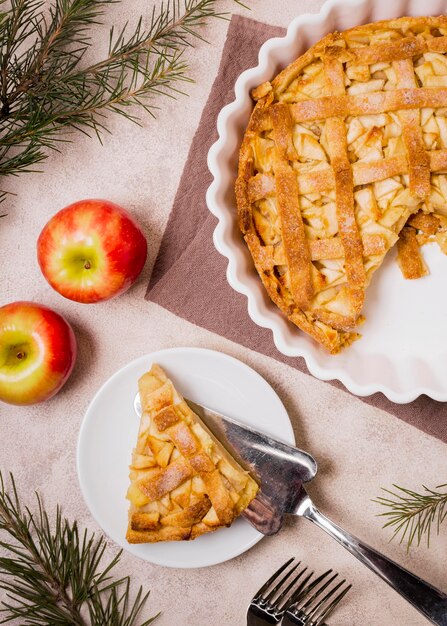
point(21, 355)
point(87, 265)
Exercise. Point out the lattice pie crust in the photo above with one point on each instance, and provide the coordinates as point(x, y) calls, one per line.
point(183, 482)
point(343, 146)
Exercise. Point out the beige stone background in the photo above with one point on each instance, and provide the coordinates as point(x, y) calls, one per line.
point(359, 448)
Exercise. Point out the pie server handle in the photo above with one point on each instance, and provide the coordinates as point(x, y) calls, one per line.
point(428, 600)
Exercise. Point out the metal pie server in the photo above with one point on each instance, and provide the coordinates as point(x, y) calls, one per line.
point(281, 471)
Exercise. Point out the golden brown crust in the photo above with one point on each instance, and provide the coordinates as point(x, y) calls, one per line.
point(165, 480)
point(425, 222)
point(409, 258)
point(344, 201)
point(333, 248)
point(339, 152)
point(192, 514)
point(418, 159)
point(161, 534)
point(370, 104)
point(144, 521)
point(403, 25)
point(421, 228)
point(183, 483)
point(296, 247)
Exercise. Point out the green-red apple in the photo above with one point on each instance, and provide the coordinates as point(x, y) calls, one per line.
point(37, 352)
point(91, 251)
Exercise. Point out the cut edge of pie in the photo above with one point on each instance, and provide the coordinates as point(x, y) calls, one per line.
point(183, 482)
point(342, 148)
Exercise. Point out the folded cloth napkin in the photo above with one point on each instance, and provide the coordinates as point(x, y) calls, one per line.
point(189, 274)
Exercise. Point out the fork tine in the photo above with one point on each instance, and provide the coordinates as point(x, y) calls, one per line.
point(303, 590)
point(318, 592)
point(331, 606)
point(313, 612)
point(313, 584)
point(288, 588)
point(272, 578)
point(295, 597)
point(290, 600)
point(278, 587)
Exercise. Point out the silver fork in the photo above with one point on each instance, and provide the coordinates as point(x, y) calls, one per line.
point(311, 609)
point(270, 602)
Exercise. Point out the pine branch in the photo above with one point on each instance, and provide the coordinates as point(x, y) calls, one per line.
point(54, 574)
point(46, 92)
point(413, 514)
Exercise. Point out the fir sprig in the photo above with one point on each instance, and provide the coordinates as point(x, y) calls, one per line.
point(46, 91)
point(412, 515)
point(54, 574)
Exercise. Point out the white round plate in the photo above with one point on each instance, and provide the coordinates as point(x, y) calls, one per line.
point(401, 352)
point(109, 432)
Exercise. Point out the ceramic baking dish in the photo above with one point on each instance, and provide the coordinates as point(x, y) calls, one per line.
point(403, 352)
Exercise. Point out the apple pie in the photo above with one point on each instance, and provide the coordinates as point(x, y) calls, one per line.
point(345, 155)
point(183, 483)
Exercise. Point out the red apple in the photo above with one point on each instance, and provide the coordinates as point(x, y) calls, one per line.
point(91, 251)
point(37, 352)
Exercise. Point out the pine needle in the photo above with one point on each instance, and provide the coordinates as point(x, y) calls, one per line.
point(45, 91)
point(412, 515)
point(53, 573)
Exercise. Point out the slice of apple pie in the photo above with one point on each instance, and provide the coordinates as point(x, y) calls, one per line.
point(183, 483)
point(342, 147)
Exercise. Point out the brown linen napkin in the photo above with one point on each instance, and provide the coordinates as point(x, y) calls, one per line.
point(189, 274)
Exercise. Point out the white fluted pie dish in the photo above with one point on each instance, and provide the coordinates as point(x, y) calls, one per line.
point(402, 352)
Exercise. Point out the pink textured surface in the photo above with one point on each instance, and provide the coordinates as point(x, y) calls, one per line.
point(359, 447)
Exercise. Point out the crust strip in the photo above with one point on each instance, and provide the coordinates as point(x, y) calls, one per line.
point(292, 227)
point(333, 248)
point(418, 160)
point(405, 48)
point(263, 185)
point(344, 192)
point(368, 104)
point(408, 255)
